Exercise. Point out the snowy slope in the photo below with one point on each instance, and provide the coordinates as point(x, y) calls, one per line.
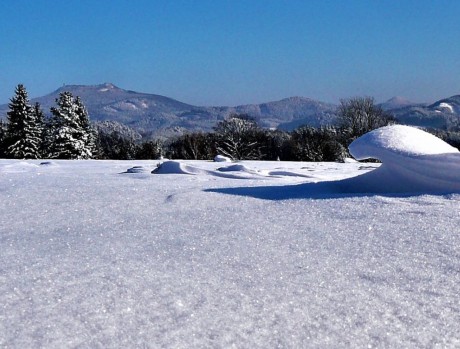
point(106, 254)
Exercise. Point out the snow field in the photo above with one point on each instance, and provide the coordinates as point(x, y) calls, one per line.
point(93, 256)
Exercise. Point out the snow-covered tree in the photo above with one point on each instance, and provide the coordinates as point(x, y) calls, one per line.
point(39, 117)
point(194, 146)
point(23, 136)
point(359, 115)
point(90, 132)
point(68, 138)
point(236, 138)
point(113, 145)
point(150, 150)
point(316, 144)
point(2, 138)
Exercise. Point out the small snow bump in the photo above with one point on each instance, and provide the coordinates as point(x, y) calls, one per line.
point(221, 158)
point(137, 169)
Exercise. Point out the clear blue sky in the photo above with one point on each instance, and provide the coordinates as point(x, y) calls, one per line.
point(229, 52)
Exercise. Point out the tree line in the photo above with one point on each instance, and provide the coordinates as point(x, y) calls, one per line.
point(68, 134)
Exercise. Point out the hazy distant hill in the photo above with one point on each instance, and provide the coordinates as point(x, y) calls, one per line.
point(153, 115)
point(397, 103)
point(443, 114)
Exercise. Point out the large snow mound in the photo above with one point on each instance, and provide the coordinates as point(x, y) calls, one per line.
point(398, 139)
point(413, 161)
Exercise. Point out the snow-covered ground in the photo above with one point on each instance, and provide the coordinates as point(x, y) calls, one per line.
point(97, 254)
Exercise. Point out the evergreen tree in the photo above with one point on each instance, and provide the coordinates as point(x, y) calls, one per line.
point(67, 137)
point(39, 117)
point(22, 134)
point(2, 138)
point(90, 137)
point(150, 150)
point(114, 146)
point(275, 144)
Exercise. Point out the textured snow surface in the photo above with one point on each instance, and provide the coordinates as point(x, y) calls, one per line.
point(96, 256)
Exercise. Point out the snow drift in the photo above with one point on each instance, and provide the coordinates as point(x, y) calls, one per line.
point(177, 167)
point(413, 161)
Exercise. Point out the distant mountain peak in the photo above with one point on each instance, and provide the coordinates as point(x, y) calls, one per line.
point(297, 98)
point(107, 87)
point(399, 99)
point(396, 103)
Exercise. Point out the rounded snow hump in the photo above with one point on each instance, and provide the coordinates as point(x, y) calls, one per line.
point(413, 161)
point(398, 139)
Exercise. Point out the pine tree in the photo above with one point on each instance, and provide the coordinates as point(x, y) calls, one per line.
point(67, 137)
point(90, 137)
point(2, 138)
point(40, 126)
point(22, 134)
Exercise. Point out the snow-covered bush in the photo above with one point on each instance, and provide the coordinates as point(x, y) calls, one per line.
point(236, 138)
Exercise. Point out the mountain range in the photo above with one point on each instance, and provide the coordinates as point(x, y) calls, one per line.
point(150, 115)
